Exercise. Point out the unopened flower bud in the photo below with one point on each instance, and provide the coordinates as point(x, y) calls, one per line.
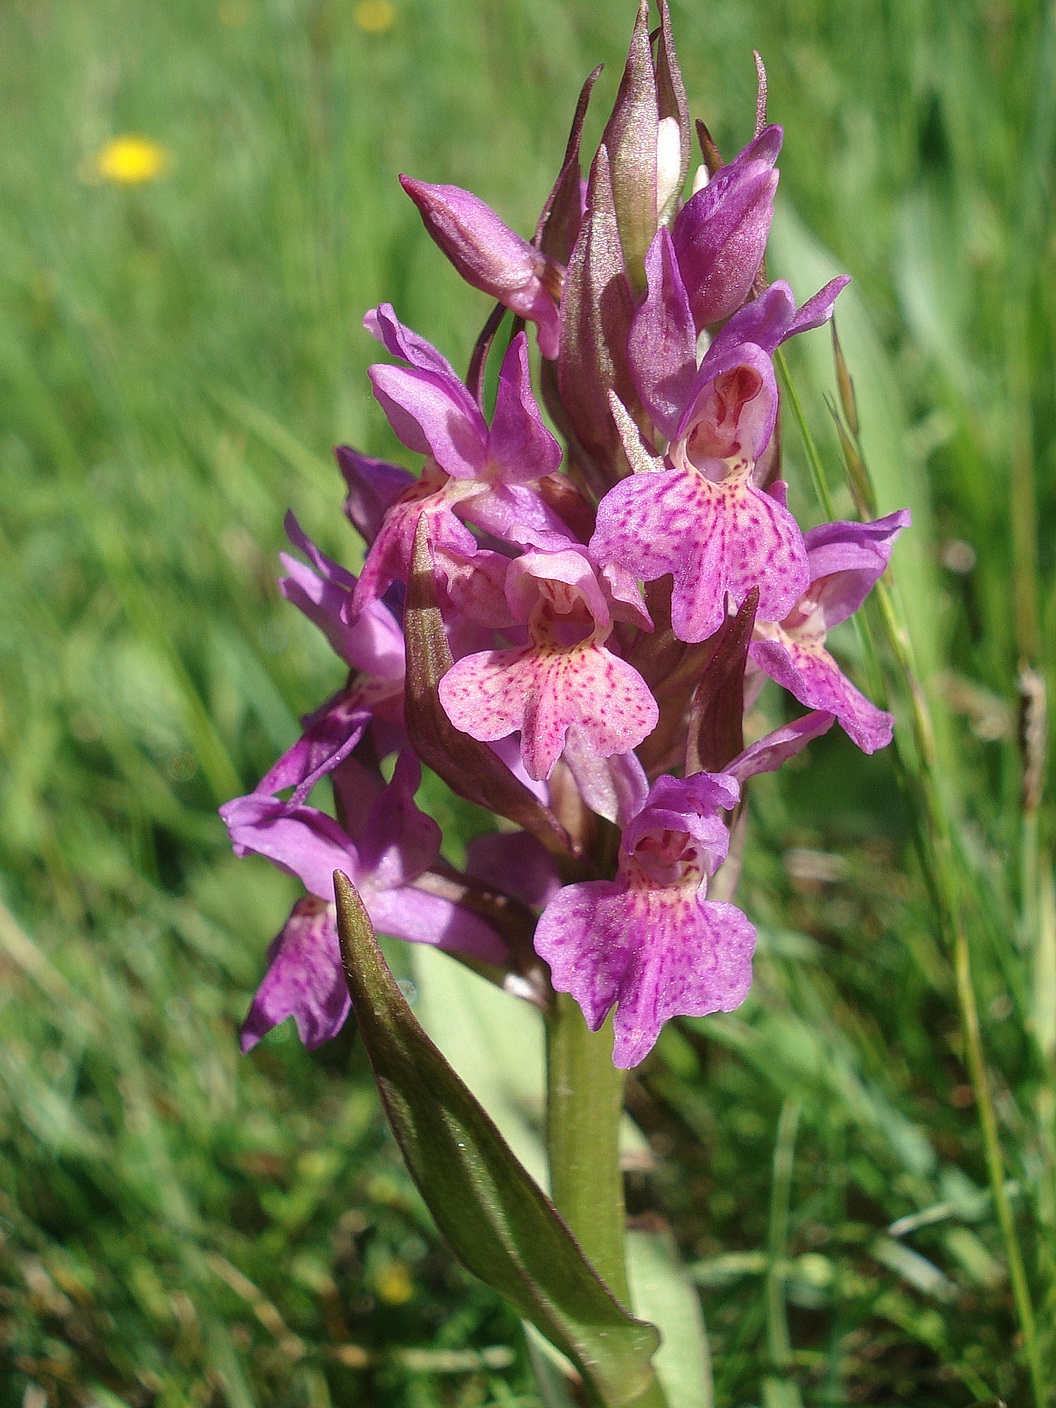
point(720, 233)
point(668, 163)
point(491, 256)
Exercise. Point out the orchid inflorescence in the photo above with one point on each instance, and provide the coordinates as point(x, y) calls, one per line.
point(568, 638)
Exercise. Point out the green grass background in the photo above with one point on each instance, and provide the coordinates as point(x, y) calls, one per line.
point(183, 1226)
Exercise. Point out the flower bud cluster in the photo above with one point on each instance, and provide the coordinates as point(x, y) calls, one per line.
point(567, 636)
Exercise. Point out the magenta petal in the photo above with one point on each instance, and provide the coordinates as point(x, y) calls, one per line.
point(509, 750)
point(373, 485)
point(655, 953)
point(529, 575)
point(389, 558)
point(514, 862)
point(699, 961)
point(818, 310)
point(715, 538)
point(434, 416)
point(690, 807)
point(615, 787)
point(663, 340)
point(399, 840)
point(520, 448)
point(330, 735)
point(768, 753)
point(733, 404)
point(580, 935)
point(648, 523)
point(753, 542)
point(691, 797)
point(765, 321)
point(772, 318)
point(327, 568)
point(535, 303)
point(321, 601)
point(300, 840)
point(516, 513)
point(304, 980)
point(383, 324)
point(811, 675)
point(475, 590)
point(542, 693)
point(484, 250)
point(851, 557)
point(421, 918)
point(374, 643)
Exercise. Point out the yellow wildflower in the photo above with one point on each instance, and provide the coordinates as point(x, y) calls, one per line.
point(130, 160)
point(393, 1283)
point(375, 16)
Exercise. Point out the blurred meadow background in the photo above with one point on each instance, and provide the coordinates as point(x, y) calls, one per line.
point(180, 348)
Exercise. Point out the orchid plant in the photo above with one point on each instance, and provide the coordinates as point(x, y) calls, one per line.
point(569, 636)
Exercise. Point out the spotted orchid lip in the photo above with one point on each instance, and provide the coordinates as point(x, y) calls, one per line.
point(562, 636)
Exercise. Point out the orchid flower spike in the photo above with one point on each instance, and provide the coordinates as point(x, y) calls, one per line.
point(649, 942)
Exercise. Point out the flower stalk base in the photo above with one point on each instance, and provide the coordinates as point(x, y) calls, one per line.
point(584, 1109)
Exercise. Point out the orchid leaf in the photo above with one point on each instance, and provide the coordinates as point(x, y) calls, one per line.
point(662, 1290)
point(492, 1213)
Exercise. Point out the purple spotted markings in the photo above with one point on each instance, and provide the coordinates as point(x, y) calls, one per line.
point(650, 942)
point(547, 665)
point(564, 678)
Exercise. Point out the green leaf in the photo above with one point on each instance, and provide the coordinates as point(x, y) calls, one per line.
point(495, 1217)
point(661, 1289)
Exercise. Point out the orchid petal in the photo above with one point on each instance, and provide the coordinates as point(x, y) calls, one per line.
point(655, 953)
point(543, 693)
point(810, 674)
point(713, 537)
point(300, 840)
point(389, 558)
point(433, 416)
point(373, 485)
point(769, 752)
point(422, 918)
point(851, 558)
point(516, 863)
point(329, 737)
point(663, 339)
point(733, 405)
point(614, 787)
point(399, 840)
point(305, 980)
point(383, 324)
point(520, 448)
point(373, 644)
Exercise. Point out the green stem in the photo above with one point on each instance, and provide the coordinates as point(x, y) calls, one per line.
point(584, 1108)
